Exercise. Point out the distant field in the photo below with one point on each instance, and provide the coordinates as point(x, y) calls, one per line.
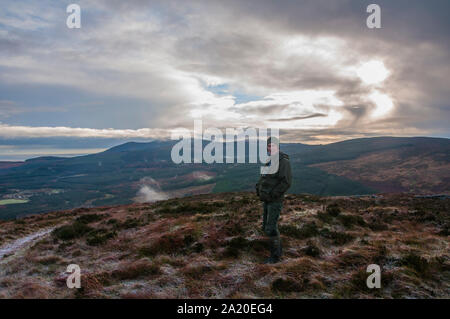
point(13, 201)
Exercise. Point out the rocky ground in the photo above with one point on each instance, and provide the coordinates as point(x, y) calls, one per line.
point(211, 246)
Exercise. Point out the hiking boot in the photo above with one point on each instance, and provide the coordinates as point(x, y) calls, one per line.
point(275, 248)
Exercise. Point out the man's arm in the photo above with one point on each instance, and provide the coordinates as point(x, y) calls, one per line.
point(285, 179)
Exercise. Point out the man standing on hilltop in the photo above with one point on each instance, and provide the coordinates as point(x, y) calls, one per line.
point(271, 189)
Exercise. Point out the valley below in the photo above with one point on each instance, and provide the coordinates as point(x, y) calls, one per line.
point(144, 172)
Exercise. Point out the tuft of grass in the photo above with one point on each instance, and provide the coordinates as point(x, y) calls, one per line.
point(135, 270)
point(350, 220)
point(112, 221)
point(324, 217)
point(309, 198)
point(245, 201)
point(80, 210)
point(307, 231)
point(32, 290)
point(333, 210)
point(175, 262)
point(239, 244)
point(235, 246)
point(189, 208)
point(198, 247)
point(417, 263)
point(351, 258)
point(127, 224)
point(233, 228)
point(99, 236)
point(338, 238)
point(48, 260)
point(378, 226)
point(445, 231)
point(91, 284)
point(197, 272)
point(64, 245)
point(301, 268)
point(72, 231)
point(167, 244)
point(76, 253)
point(311, 250)
point(287, 284)
point(90, 218)
point(259, 245)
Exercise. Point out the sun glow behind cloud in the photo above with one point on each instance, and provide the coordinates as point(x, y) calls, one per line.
point(304, 109)
point(283, 107)
point(373, 72)
point(300, 108)
point(383, 104)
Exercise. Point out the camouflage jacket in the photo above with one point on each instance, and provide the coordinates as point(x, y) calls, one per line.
point(271, 187)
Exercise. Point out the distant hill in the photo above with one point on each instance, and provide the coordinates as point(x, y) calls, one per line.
point(352, 149)
point(7, 164)
point(133, 172)
point(414, 165)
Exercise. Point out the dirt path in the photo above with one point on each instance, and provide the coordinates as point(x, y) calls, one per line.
point(22, 242)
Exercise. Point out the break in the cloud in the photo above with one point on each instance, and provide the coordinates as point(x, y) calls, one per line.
point(137, 69)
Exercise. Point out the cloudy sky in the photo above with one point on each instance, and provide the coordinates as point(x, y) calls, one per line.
point(137, 69)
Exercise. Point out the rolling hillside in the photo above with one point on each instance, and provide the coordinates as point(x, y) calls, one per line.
point(139, 172)
point(416, 165)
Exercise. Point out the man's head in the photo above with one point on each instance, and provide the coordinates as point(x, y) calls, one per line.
point(273, 145)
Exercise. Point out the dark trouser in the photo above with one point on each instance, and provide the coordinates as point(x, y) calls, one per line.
point(271, 214)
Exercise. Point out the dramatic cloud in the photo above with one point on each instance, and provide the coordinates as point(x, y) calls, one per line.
point(137, 69)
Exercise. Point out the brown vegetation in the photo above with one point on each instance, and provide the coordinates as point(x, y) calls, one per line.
point(212, 246)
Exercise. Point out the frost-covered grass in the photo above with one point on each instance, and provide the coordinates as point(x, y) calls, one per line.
point(211, 246)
